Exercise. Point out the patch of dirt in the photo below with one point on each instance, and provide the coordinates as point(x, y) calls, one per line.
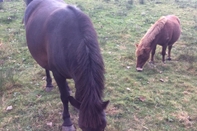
point(185, 119)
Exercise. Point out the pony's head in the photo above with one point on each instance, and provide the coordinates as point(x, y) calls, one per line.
point(142, 54)
point(92, 118)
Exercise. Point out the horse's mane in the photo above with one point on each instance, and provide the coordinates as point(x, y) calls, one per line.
point(153, 32)
point(89, 79)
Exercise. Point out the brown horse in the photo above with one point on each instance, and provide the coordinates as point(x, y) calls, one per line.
point(62, 39)
point(165, 32)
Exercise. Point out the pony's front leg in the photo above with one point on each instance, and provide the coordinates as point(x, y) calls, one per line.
point(152, 55)
point(49, 85)
point(64, 94)
point(163, 53)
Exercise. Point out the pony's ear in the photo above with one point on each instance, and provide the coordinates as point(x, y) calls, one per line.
point(136, 45)
point(74, 102)
point(105, 104)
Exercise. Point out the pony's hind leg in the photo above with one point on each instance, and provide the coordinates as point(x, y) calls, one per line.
point(169, 52)
point(64, 94)
point(49, 85)
point(163, 53)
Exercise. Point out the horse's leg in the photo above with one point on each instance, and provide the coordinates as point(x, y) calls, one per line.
point(152, 55)
point(169, 52)
point(163, 53)
point(49, 85)
point(64, 94)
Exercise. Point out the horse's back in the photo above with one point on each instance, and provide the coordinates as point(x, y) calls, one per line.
point(64, 37)
point(36, 15)
point(174, 26)
point(44, 24)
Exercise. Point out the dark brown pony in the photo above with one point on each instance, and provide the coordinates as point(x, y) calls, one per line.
point(63, 40)
point(165, 32)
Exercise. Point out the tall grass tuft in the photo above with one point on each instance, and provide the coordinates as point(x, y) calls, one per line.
point(6, 78)
point(7, 68)
point(7, 72)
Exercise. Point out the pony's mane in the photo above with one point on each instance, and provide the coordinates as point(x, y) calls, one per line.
point(153, 32)
point(89, 79)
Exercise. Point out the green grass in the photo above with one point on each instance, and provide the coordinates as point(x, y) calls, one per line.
point(161, 98)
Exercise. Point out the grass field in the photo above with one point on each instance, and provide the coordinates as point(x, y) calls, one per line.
point(161, 98)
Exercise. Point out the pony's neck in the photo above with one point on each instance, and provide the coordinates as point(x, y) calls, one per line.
point(151, 34)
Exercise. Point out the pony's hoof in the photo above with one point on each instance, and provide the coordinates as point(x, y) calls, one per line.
point(169, 59)
point(48, 89)
point(68, 128)
point(139, 69)
point(151, 62)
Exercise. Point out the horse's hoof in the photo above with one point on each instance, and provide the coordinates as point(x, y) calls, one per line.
point(48, 89)
point(68, 128)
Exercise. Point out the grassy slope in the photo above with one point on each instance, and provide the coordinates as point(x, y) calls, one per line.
point(162, 97)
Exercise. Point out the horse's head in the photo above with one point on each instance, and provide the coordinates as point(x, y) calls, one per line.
point(99, 127)
point(93, 120)
point(142, 54)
